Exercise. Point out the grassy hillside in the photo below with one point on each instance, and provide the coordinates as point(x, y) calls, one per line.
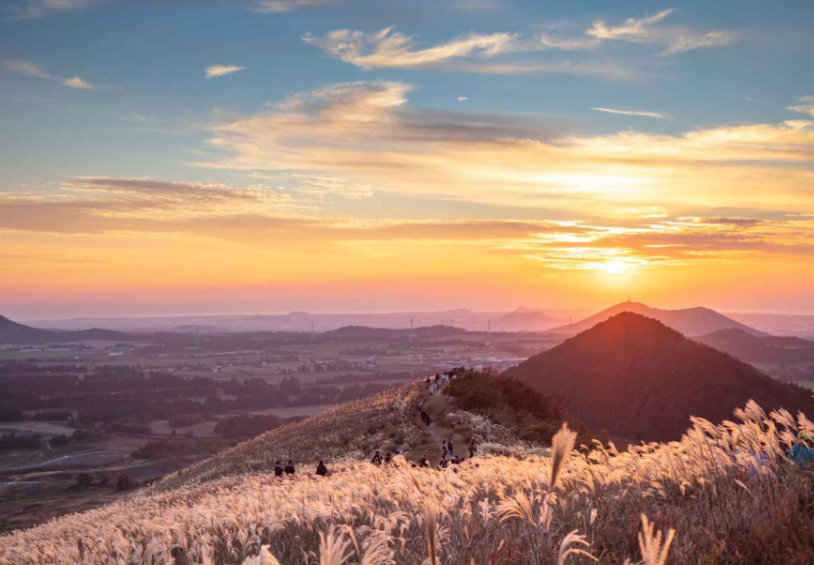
point(728, 492)
point(352, 431)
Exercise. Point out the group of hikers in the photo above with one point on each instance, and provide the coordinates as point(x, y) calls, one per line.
point(289, 470)
point(448, 456)
point(440, 379)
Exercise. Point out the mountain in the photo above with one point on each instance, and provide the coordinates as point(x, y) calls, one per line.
point(689, 321)
point(640, 380)
point(364, 332)
point(523, 319)
point(773, 350)
point(12, 332)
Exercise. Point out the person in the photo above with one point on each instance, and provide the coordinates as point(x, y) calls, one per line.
point(421, 405)
point(377, 459)
point(278, 470)
point(450, 446)
point(472, 448)
point(437, 378)
point(388, 459)
point(322, 470)
point(801, 454)
point(399, 450)
point(445, 448)
point(289, 468)
point(424, 462)
point(425, 418)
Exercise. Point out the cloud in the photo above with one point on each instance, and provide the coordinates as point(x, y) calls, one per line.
point(40, 8)
point(76, 82)
point(221, 70)
point(806, 106)
point(462, 99)
point(474, 53)
point(31, 69)
point(391, 49)
point(27, 68)
point(34, 9)
point(552, 42)
point(280, 6)
point(675, 39)
point(632, 113)
point(369, 134)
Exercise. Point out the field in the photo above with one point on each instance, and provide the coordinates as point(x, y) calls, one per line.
point(728, 494)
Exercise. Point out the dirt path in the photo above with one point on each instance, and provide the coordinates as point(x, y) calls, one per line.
point(438, 406)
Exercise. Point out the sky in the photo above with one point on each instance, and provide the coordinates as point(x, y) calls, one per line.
point(205, 156)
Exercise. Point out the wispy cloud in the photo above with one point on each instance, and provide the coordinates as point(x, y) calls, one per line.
point(806, 106)
point(77, 82)
point(27, 68)
point(675, 39)
point(31, 69)
point(280, 6)
point(474, 53)
point(391, 49)
point(35, 9)
point(462, 99)
point(221, 70)
point(632, 113)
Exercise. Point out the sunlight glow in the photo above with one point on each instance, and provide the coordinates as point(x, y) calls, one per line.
point(615, 267)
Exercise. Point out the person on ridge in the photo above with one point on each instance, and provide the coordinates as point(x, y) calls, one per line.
point(377, 459)
point(424, 462)
point(322, 470)
point(388, 459)
point(289, 468)
point(278, 470)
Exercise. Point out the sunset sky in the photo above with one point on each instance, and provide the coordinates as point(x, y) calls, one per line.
point(205, 156)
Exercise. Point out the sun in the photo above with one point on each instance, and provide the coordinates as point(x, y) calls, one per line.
point(615, 267)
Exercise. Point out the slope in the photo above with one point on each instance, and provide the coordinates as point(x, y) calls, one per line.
point(689, 321)
point(12, 332)
point(523, 319)
point(640, 380)
point(774, 350)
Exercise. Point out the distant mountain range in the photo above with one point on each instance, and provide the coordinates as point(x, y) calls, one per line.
point(521, 319)
point(772, 350)
point(690, 321)
point(14, 333)
point(640, 380)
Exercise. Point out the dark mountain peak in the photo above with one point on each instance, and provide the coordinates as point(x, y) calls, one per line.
point(639, 379)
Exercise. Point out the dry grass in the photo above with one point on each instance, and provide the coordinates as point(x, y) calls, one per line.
point(723, 494)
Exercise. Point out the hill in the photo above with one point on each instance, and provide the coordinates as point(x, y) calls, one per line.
point(689, 321)
point(12, 332)
point(495, 509)
point(523, 319)
point(365, 332)
point(773, 350)
point(640, 380)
